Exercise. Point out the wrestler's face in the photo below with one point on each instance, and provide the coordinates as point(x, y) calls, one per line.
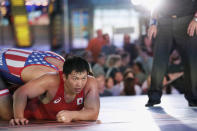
point(75, 81)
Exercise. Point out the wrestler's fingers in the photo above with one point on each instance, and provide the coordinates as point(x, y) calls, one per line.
point(60, 119)
point(23, 121)
point(16, 121)
point(60, 113)
point(195, 30)
point(191, 33)
point(188, 29)
point(26, 121)
point(11, 122)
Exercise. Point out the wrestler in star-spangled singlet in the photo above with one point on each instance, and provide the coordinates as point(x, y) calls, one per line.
point(13, 61)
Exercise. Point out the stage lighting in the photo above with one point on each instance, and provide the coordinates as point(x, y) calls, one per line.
point(136, 2)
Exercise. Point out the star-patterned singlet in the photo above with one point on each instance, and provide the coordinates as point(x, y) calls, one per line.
point(13, 61)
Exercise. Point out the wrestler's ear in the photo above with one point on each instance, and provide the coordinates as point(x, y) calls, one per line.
point(64, 77)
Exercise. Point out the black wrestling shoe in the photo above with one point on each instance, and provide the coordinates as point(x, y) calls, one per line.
point(151, 103)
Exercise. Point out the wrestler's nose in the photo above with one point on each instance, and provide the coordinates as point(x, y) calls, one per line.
point(79, 83)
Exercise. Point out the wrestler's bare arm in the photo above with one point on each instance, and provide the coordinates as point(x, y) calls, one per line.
point(30, 90)
point(91, 105)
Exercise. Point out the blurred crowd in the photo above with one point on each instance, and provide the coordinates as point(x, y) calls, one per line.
point(126, 70)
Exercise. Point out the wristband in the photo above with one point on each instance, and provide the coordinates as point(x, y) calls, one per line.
point(153, 21)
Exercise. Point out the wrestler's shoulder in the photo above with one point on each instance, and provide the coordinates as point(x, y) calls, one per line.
point(91, 81)
point(91, 78)
point(51, 77)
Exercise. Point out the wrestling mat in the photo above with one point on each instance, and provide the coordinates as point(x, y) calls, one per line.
point(127, 114)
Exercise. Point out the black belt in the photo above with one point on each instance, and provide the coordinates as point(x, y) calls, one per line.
point(176, 16)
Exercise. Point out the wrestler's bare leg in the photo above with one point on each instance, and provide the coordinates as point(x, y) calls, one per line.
point(35, 71)
point(55, 62)
point(6, 112)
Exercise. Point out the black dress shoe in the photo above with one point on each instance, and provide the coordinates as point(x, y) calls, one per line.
point(152, 103)
point(192, 104)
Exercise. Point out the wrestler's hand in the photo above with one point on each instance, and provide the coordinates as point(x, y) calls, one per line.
point(64, 116)
point(18, 121)
point(152, 31)
point(192, 28)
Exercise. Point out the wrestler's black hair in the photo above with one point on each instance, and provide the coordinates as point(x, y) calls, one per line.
point(75, 63)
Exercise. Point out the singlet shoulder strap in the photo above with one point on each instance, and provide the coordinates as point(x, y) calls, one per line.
point(60, 91)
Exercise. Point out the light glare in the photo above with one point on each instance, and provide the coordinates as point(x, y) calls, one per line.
point(136, 2)
point(148, 4)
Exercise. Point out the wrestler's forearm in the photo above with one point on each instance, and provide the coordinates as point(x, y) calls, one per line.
point(85, 114)
point(19, 104)
point(91, 107)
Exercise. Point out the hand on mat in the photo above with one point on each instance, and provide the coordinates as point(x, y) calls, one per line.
point(64, 116)
point(18, 121)
point(152, 31)
point(192, 28)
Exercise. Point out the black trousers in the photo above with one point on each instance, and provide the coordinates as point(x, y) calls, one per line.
point(172, 32)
